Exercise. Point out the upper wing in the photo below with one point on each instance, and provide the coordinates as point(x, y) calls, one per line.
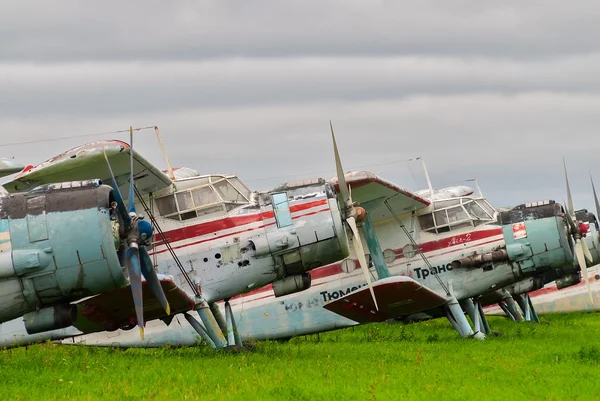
point(370, 191)
point(396, 296)
point(8, 166)
point(115, 309)
point(87, 162)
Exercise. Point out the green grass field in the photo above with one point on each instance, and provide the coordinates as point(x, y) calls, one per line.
point(557, 359)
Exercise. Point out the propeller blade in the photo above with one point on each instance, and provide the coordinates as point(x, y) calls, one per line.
point(570, 222)
point(569, 198)
point(135, 280)
point(360, 254)
point(583, 267)
point(131, 189)
point(120, 203)
point(586, 251)
point(340, 172)
point(152, 280)
point(595, 198)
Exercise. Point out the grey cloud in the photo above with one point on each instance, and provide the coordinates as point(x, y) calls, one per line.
point(129, 87)
point(494, 91)
point(512, 145)
point(158, 30)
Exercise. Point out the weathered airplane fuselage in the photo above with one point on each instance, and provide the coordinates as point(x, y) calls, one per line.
point(254, 245)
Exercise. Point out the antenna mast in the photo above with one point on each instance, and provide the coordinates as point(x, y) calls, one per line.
point(164, 153)
point(477, 185)
point(426, 176)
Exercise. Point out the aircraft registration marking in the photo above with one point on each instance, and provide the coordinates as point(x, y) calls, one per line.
point(459, 239)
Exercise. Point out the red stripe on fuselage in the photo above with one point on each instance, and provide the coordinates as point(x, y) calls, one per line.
point(456, 240)
point(236, 233)
point(199, 230)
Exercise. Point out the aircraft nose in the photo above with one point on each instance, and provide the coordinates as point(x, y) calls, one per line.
point(536, 237)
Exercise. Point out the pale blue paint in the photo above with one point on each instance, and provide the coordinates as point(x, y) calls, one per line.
point(4, 229)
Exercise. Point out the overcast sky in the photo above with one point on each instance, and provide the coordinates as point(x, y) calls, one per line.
point(498, 91)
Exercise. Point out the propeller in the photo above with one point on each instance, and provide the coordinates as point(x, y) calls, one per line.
point(581, 249)
point(351, 214)
point(137, 234)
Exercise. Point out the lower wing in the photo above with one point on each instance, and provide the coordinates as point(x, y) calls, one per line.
point(396, 296)
point(115, 309)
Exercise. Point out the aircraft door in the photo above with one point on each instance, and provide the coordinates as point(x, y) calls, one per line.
point(281, 240)
point(37, 225)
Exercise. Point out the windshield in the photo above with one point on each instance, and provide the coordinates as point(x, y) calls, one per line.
point(457, 214)
point(206, 197)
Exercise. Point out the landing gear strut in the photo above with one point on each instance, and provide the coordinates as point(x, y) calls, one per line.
point(526, 306)
point(457, 317)
point(475, 312)
point(509, 306)
point(218, 331)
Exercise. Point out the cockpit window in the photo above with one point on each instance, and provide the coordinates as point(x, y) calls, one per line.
point(214, 196)
point(441, 218)
point(426, 221)
point(476, 210)
point(457, 214)
point(204, 196)
point(487, 207)
point(228, 191)
point(240, 187)
point(184, 200)
point(166, 205)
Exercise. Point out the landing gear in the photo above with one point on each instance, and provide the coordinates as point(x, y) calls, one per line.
point(526, 306)
point(219, 332)
point(509, 306)
point(475, 312)
point(457, 317)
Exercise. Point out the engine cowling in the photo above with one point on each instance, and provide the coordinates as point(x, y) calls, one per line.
point(291, 284)
point(51, 318)
point(59, 245)
point(568, 280)
point(536, 237)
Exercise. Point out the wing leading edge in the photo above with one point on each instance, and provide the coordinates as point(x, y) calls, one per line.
point(87, 162)
point(371, 191)
point(396, 296)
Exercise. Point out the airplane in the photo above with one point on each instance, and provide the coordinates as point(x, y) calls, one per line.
point(432, 251)
point(214, 239)
point(550, 293)
point(520, 302)
point(57, 245)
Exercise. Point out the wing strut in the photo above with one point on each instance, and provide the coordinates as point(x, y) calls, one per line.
point(414, 243)
point(166, 242)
